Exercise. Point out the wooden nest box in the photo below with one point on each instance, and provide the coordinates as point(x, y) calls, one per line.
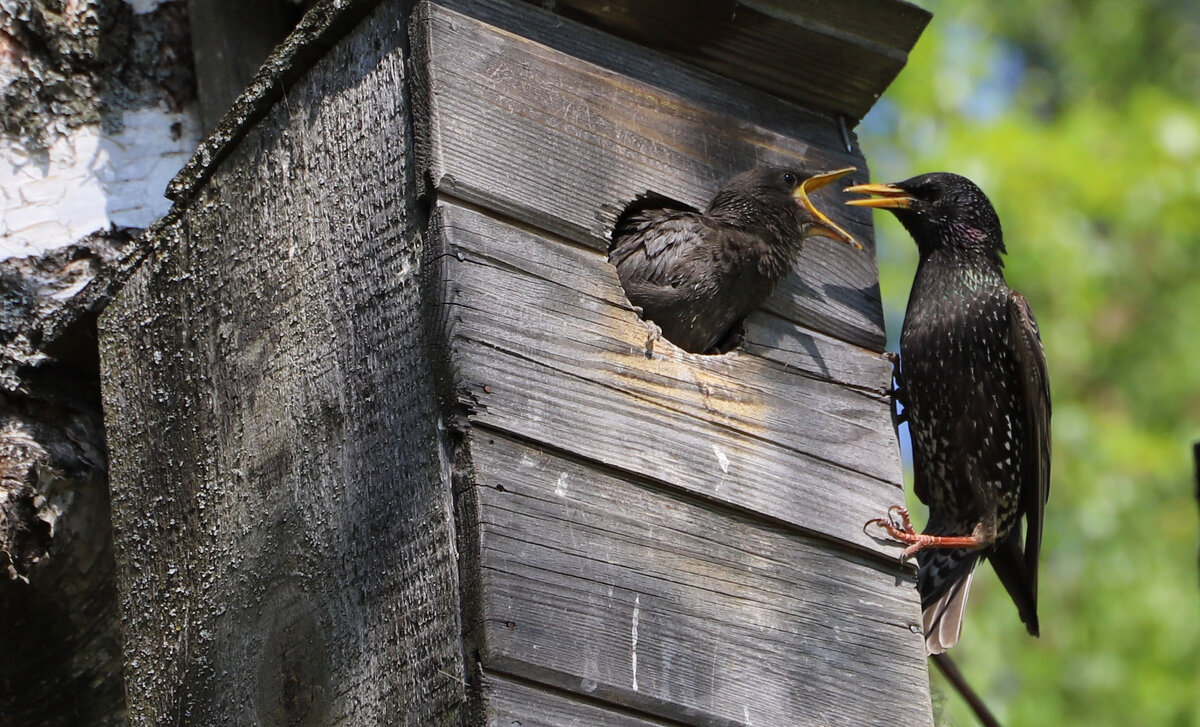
point(390, 446)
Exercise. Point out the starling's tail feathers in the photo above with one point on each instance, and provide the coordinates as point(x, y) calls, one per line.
point(944, 580)
point(942, 619)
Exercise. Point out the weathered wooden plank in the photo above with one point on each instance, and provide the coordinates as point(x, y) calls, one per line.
point(510, 703)
point(322, 26)
point(582, 270)
point(833, 56)
point(503, 109)
point(283, 530)
point(635, 595)
point(229, 42)
point(543, 348)
point(782, 340)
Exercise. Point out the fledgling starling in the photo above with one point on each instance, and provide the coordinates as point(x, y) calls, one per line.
point(973, 381)
point(698, 274)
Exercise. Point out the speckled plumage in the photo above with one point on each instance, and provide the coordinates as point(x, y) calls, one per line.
point(698, 274)
point(973, 383)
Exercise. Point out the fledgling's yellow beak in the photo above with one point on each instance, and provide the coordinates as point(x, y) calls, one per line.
point(823, 223)
point(888, 196)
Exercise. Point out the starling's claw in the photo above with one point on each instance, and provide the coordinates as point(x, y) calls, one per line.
point(894, 359)
point(899, 528)
point(653, 333)
point(896, 390)
point(874, 521)
point(904, 524)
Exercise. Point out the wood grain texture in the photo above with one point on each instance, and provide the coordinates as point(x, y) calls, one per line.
point(534, 127)
point(511, 702)
point(837, 57)
point(778, 339)
point(282, 512)
point(319, 29)
point(545, 346)
point(627, 593)
point(230, 40)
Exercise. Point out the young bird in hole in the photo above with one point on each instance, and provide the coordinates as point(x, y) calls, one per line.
point(698, 274)
point(973, 382)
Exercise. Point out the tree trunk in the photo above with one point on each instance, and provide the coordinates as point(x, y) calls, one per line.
point(92, 126)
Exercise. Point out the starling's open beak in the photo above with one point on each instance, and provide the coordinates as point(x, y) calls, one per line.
point(823, 223)
point(888, 196)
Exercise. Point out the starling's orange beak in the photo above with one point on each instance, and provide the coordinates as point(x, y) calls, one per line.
point(888, 196)
point(823, 223)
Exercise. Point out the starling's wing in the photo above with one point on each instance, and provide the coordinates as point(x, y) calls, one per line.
point(1026, 343)
point(652, 246)
point(641, 214)
point(650, 232)
point(1017, 567)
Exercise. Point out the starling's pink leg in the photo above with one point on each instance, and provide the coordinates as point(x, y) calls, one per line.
point(919, 541)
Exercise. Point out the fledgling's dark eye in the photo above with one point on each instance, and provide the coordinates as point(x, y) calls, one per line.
point(789, 179)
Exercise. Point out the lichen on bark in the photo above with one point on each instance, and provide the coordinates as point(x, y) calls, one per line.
point(67, 63)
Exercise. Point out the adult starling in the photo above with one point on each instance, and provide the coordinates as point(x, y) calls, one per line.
point(698, 274)
point(973, 381)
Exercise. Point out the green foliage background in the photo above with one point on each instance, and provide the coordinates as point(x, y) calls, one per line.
point(1081, 120)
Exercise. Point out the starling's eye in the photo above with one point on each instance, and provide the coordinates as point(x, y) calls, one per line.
point(789, 179)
